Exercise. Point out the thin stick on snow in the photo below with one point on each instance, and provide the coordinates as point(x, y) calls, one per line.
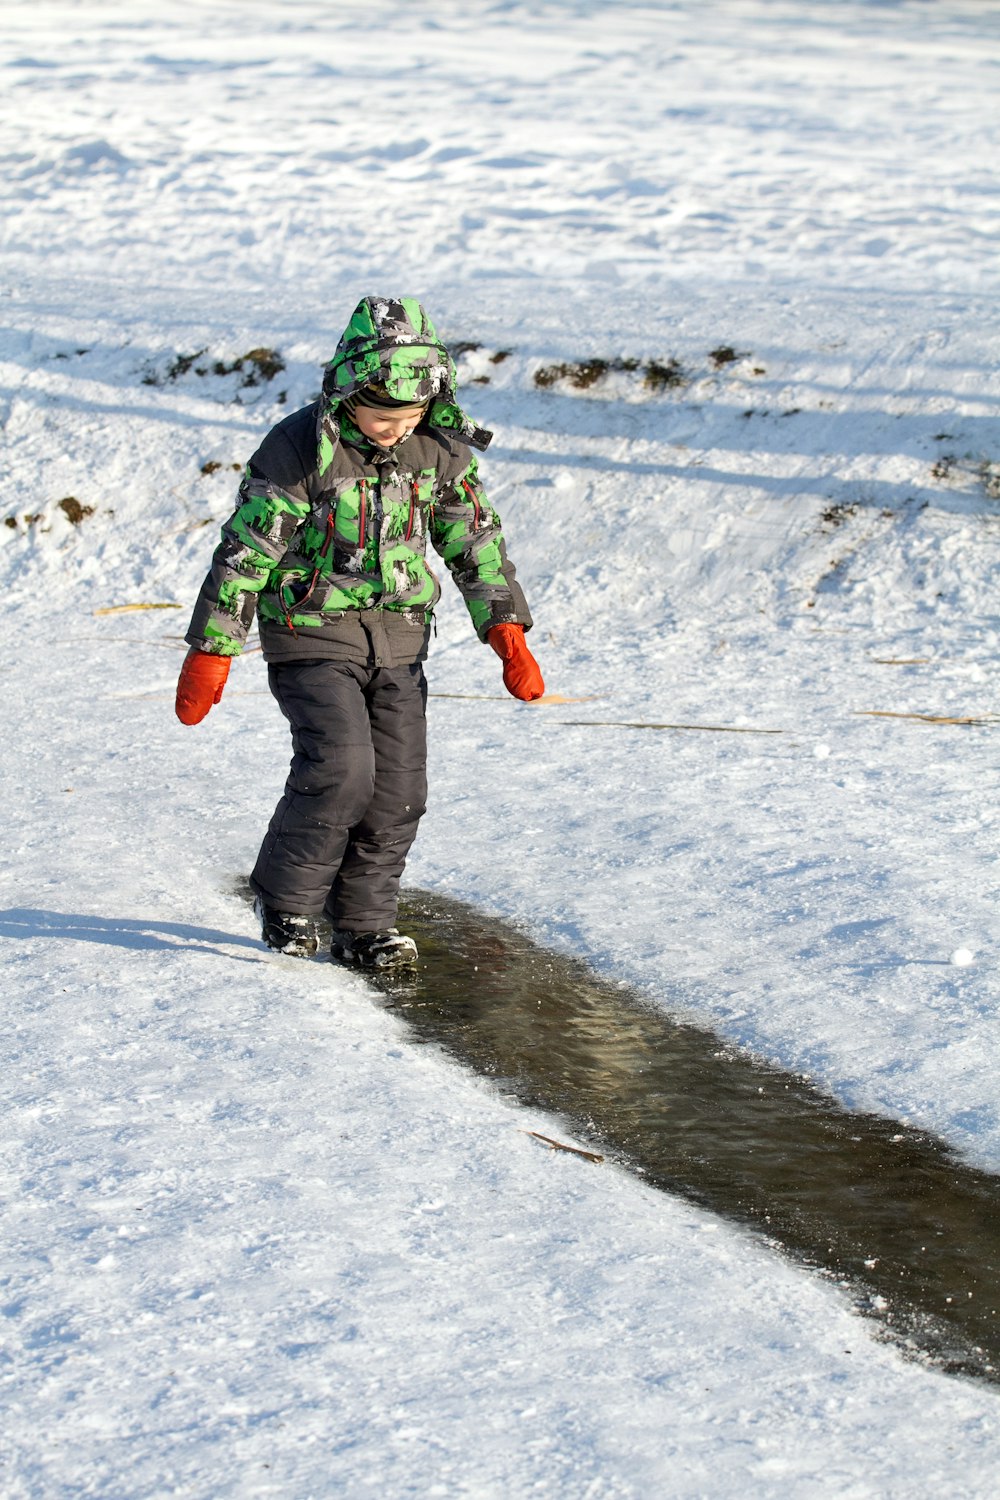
point(125, 609)
point(638, 724)
point(882, 713)
point(541, 702)
point(561, 1146)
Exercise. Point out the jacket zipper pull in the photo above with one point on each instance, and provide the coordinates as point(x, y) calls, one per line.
point(475, 503)
point(414, 497)
point(362, 513)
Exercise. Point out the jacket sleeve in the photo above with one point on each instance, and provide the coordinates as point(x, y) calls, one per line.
point(254, 538)
point(465, 530)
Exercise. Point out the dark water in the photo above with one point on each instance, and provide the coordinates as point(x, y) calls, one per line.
point(890, 1212)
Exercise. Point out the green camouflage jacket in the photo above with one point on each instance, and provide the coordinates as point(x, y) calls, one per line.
point(328, 543)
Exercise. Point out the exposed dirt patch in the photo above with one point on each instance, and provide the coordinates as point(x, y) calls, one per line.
point(583, 374)
point(580, 374)
point(71, 507)
point(255, 367)
point(836, 515)
point(657, 375)
point(664, 375)
point(73, 510)
point(460, 350)
point(959, 469)
point(180, 365)
point(725, 354)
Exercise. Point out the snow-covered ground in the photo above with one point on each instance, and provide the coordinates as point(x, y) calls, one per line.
point(255, 1242)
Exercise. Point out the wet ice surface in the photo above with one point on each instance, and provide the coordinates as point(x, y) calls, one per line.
point(889, 1211)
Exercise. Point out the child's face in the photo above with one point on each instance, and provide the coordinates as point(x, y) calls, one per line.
point(385, 427)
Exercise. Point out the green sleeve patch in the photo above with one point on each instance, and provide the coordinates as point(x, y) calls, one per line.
point(479, 613)
point(223, 644)
point(488, 569)
point(258, 516)
point(233, 592)
point(348, 516)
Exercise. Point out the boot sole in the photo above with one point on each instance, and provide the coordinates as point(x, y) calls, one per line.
point(388, 961)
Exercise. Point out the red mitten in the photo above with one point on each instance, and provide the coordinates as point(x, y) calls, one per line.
point(203, 676)
point(521, 676)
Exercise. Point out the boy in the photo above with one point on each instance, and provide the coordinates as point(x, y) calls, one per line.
point(327, 546)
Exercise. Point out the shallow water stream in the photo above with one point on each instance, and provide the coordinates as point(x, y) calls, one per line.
point(889, 1212)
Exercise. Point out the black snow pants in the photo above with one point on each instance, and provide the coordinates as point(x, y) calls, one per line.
point(355, 792)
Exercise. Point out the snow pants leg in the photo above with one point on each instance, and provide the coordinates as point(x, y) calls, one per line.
point(356, 790)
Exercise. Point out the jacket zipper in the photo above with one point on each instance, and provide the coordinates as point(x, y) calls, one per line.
point(467, 487)
point(414, 497)
point(325, 552)
point(362, 513)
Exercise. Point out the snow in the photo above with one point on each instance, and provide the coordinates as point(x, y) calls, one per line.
point(256, 1241)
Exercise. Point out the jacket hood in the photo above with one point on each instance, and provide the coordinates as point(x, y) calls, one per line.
point(393, 342)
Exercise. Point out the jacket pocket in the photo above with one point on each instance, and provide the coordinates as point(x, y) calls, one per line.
point(303, 598)
point(407, 580)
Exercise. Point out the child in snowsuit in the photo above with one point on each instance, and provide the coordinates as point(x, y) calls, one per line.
point(327, 547)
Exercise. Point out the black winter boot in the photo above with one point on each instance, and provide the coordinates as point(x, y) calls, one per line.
point(286, 932)
point(373, 950)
